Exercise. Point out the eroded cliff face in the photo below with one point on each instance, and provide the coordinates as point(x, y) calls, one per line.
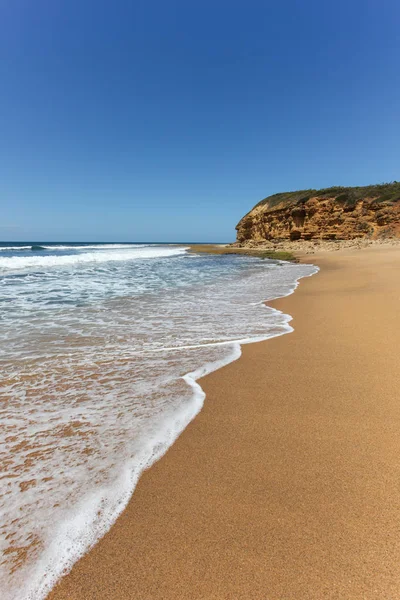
point(325, 217)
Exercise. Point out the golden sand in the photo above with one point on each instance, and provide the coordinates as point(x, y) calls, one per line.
point(287, 484)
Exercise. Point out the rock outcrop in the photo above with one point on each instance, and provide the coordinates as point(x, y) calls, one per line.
point(371, 212)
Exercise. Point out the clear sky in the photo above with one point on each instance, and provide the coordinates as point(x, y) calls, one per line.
point(168, 120)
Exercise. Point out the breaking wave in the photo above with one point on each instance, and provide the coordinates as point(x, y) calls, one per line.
point(15, 263)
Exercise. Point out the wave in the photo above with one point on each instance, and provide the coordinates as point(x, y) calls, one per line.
point(109, 371)
point(94, 246)
point(97, 513)
point(14, 248)
point(57, 247)
point(17, 263)
point(91, 520)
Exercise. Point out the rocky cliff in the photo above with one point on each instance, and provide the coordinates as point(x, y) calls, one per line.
point(330, 214)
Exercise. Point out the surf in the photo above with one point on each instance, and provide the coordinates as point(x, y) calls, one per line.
point(15, 263)
point(100, 368)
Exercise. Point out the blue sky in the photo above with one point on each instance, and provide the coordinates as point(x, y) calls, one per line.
point(168, 120)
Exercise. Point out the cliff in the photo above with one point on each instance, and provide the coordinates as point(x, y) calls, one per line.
point(336, 213)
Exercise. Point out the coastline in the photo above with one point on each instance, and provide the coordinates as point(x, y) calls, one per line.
point(258, 500)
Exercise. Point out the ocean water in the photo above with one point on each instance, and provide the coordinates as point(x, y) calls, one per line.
point(100, 348)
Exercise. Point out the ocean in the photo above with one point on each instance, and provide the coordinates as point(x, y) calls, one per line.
point(101, 349)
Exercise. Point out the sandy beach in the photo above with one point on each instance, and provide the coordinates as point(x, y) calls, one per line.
point(287, 485)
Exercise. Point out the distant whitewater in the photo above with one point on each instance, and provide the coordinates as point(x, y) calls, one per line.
point(100, 349)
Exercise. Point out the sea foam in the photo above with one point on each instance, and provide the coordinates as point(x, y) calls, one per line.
point(40, 261)
point(99, 377)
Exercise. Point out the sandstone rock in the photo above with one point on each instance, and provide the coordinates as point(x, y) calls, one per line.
point(334, 214)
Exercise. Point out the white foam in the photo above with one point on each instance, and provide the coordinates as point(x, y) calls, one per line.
point(15, 263)
point(11, 248)
point(93, 246)
point(97, 513)
point(58, 247)
point(104, 389)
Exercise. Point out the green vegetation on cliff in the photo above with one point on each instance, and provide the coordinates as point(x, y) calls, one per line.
point(383, 192)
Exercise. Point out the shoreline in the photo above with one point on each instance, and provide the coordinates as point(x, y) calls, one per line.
point(173, 429)
point(74, 533)
point(192, 531)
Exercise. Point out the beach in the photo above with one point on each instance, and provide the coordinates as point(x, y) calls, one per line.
point(287, 483)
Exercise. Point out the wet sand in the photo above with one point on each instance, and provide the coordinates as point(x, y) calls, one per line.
point(287, 485)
